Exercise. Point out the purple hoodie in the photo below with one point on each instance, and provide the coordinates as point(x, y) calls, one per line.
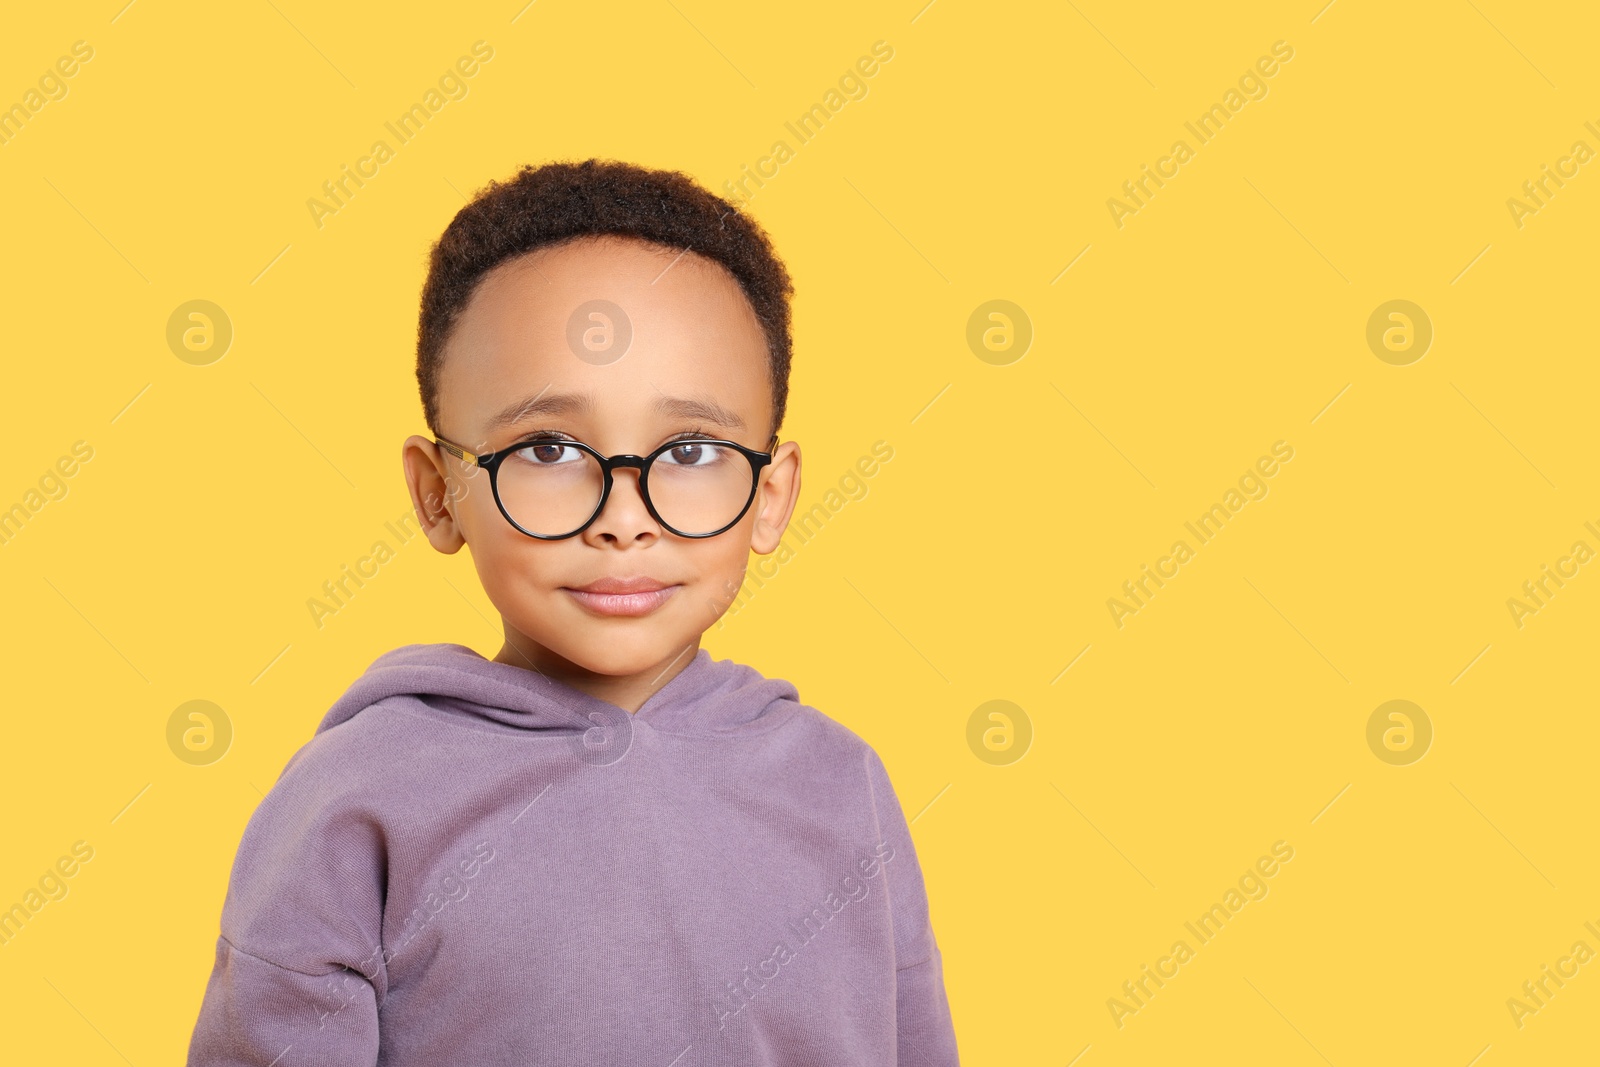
point(470, 863)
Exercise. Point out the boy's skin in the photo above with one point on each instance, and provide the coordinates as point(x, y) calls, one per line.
point(695, 335)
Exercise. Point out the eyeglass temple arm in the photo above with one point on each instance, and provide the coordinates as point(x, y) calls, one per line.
point(456, 450)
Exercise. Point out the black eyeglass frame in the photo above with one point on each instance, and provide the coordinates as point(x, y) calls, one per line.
point(491, 461)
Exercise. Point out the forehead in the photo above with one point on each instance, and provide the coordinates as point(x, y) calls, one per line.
point(619, 320)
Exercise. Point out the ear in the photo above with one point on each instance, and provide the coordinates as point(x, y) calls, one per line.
point(433, 496)
point(775, 499)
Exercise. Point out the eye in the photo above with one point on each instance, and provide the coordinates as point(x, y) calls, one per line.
point(547, 450)
point(694, 454)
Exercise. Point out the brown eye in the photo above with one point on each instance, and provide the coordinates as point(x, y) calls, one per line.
point(548, 453)
point(696, 455)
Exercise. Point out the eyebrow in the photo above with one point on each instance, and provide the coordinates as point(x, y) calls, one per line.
point(699, 407)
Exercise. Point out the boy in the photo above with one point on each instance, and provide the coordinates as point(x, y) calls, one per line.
point(601, 846)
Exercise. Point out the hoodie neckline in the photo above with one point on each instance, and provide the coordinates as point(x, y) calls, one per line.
point(680, 690)
point(707, 698)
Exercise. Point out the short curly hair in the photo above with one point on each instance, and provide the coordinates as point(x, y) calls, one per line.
point(558, 202)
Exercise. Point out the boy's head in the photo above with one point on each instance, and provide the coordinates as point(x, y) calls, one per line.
point(560, 202)
point(622, 308)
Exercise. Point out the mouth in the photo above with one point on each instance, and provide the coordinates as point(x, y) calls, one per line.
point(629, 597)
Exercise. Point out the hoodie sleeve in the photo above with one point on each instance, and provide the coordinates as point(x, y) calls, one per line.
point(926, 1034)
point(299, 970)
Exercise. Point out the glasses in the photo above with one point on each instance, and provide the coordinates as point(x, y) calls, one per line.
point(553, 488)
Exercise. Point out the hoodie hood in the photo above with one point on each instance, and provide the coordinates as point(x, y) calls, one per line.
point(708, 698)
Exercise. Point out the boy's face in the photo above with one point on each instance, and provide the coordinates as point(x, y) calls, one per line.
point(693, 337)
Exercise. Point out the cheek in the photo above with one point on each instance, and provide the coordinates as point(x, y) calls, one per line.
point(711, 570)
point(489, 534)
point(512, 567)
point(719, 563)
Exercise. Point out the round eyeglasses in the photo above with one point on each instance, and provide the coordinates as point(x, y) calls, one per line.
point(554, 487)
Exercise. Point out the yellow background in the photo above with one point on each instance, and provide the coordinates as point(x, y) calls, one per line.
point(1229, 313)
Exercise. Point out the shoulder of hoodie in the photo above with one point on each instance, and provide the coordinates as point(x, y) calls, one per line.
point(838, 742)
point(839, 755)
point(380, 739)
point(338, 782)
point(345, 769)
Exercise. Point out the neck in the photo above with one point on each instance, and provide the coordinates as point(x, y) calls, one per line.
point(626, 691)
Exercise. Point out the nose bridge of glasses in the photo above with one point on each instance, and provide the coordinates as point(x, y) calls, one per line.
point(638, 463)
point(615, 465)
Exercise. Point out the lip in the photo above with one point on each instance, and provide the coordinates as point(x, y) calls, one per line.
point(631, 597)
point(640, 584)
